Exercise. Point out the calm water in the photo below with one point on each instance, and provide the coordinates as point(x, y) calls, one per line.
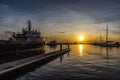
point(84, 62)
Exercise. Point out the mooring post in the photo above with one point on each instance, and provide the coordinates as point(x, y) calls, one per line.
point(68, 45)
point(61, 46)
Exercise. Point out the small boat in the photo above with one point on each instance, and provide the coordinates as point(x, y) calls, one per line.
point(52, 43)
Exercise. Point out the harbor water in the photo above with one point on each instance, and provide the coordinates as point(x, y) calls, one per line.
point(83, 62)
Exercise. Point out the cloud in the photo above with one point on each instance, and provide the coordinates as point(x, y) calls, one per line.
point(88, 16)
point(116, 32)
point(8, 32)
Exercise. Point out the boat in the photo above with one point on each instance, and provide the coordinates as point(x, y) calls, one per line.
point(107, 43)
point(27, 39)
point(28, 35)
point(52, 43)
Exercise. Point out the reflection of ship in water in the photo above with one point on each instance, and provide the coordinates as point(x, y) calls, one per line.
point(17, 55)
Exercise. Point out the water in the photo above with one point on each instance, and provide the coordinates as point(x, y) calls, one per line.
point(84, 62)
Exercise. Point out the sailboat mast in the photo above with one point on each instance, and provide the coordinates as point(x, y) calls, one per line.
point(100, 39)
point(107, 34)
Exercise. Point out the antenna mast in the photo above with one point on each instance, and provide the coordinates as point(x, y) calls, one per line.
point(29, 25)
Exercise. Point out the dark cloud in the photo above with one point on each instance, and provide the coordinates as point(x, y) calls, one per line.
point(60, 14)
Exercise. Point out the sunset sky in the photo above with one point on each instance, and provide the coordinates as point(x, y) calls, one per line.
point(88, 18)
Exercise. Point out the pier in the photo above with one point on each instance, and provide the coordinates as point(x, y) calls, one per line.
point(19, 67)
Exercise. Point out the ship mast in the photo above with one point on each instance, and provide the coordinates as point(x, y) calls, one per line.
point(107, 34)
point(29, 25)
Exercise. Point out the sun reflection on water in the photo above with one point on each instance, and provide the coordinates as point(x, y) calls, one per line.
point(81, 49)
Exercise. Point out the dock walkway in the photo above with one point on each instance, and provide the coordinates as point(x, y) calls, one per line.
point(12, 67)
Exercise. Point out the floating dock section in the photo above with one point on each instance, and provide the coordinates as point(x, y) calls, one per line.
point(15, 68)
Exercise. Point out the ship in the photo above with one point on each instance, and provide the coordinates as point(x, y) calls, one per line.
point(29, 38)
point(28, 35)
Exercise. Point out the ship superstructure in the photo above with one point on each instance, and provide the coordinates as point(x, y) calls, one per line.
point(27, 35)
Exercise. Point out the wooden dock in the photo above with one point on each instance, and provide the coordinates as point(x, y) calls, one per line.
point(15, 68)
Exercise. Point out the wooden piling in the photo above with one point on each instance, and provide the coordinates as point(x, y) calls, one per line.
point(60, 46)
point(68, 46)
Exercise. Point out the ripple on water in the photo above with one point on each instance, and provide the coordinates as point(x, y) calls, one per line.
point(93, 64)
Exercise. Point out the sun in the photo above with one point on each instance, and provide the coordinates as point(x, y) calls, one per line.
point(80, 38)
